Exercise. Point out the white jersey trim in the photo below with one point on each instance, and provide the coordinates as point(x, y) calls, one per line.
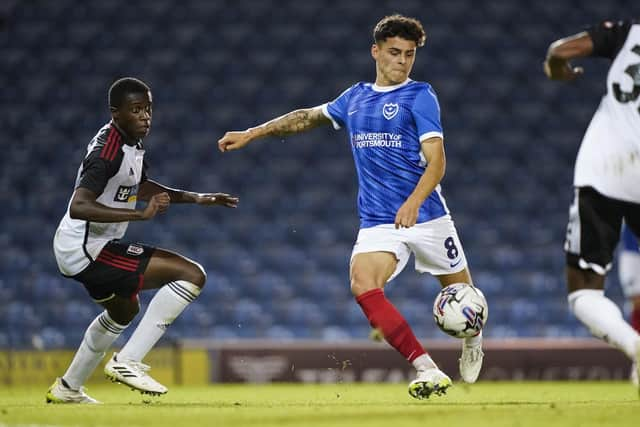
point(389, 88)
point(325, 110)
point(432, 134)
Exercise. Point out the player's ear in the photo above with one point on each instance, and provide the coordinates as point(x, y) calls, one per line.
point(114, 112)
point(374, 51)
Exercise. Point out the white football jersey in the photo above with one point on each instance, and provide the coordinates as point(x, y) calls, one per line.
point(113, 168)
point(609, 156)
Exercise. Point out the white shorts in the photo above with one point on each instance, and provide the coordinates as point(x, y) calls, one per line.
point(434, 243)
point(629, 271)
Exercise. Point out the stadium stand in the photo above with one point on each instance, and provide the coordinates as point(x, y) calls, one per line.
point(278, 265)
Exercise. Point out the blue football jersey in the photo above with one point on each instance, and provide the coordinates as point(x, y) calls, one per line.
point(629, 240)
point(386, 125)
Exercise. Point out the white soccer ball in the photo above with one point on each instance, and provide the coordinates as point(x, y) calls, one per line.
point(460, 310)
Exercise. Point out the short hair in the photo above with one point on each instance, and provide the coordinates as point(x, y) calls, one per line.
point(123, 87)
point(399, 26)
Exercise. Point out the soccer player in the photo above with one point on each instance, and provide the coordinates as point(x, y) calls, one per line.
point(606, 177)
point(88, 248)
point(397, 143)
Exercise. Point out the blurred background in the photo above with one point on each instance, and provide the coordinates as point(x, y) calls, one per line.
point(278, 265)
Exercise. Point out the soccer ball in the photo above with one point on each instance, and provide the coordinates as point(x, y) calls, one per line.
point(460, 310)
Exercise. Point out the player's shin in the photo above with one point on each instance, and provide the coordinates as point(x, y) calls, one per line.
point(604, 319)
point(98, 338)
point(164, 308)
point(395, 329)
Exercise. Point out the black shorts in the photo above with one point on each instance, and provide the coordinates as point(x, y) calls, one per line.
point(594, 227)
point(118, 270)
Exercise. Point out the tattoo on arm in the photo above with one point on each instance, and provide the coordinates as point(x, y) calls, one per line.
point(295, 122)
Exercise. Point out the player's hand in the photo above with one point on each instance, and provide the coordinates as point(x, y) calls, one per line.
point(158, 203)
point(407, 215)
point(561, 70)
point(234, 140)
point(222, 199)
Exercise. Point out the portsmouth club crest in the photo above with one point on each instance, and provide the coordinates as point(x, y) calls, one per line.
point(390, 110)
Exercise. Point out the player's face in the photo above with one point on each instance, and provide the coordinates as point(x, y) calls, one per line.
point(394, 59)
point(134, 115)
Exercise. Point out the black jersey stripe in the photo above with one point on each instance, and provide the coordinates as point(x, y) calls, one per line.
point(86, 238)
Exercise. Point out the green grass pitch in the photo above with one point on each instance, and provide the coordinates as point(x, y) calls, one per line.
point(522, 404)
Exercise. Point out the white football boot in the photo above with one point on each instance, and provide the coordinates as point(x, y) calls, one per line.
point(470, 362)
point(429, 381)
point(133, 374)
point(59, 393)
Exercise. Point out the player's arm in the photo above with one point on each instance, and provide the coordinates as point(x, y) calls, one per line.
point(149, 188)
point(433, 150)
point(84, 206)
point(294, 122)
point(557, 65)
point(96, 172)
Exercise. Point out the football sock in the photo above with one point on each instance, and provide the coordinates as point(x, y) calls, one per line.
point(473, 341)
point(165, 306)
point(423, 362)
point(386, 318)
point(100, 335)
point(635, 319)
point(604, 319)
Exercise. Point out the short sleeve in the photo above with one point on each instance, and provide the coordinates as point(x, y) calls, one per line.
point(608, 37)
point(336, 110)
point(96, 171)
point(426, 113)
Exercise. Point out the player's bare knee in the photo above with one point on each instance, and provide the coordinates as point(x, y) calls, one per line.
point(360, 285)
point(196, 275)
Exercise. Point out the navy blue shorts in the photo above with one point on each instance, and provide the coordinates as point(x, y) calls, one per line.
point(118, 270)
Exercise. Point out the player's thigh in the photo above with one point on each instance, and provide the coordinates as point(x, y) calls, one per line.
point(117, 271)
point(593, 231)
point(377, 251)
point(462, 276)
point(371, 270)
point(166, 266)
point(438, 250)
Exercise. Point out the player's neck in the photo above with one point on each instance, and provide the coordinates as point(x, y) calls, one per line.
point(382, 86)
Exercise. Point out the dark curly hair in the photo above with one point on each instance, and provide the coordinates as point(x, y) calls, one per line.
point(399, 26)
point(123, 87)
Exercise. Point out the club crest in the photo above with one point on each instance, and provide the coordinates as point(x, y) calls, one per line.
point(135, 250)
point(390, 110)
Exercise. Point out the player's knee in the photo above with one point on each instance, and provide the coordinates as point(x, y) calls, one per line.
point(196, 275)
point(361, 284)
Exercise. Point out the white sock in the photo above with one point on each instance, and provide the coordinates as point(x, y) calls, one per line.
point(165, 306)
point(100, 335)
point(473, 341)
point(423, 362)
point(604, 319)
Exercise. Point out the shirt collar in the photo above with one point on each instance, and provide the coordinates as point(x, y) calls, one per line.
point(389, 88)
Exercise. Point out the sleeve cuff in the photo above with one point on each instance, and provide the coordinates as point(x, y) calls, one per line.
point(325, 111)
point(431, 135)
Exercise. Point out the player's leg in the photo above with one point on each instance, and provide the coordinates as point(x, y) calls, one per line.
point(180, 281)
point(112, 284)
point(629, 273)
point(592, 235)
point(470, 362)
point(438, 251)
point(378, 256)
